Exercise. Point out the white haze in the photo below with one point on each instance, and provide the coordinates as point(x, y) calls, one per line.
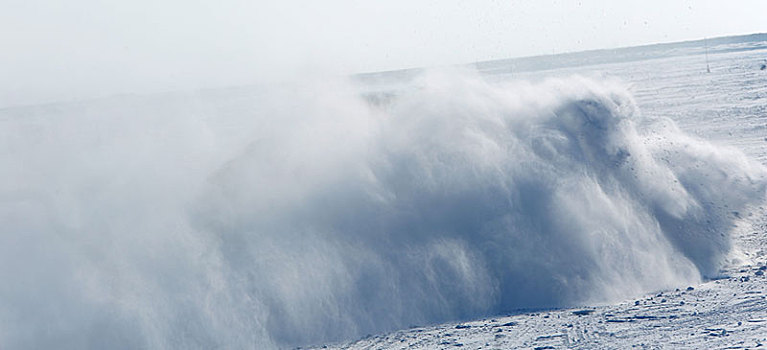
point(71, 50)
point(295, 215)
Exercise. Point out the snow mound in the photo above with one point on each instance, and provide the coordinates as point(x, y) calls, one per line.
point(335, 217)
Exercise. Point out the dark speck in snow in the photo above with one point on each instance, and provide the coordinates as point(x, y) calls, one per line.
point(583, 312)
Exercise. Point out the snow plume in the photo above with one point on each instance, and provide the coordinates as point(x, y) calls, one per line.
point(243, 219)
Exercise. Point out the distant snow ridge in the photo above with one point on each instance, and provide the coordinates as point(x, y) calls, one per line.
point(454, 199)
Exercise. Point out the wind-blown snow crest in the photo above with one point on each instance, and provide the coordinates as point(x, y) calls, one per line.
point(312, 215)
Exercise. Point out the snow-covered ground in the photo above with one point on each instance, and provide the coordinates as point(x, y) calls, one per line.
point(275, 217)
point(727, 313)
point(728, 106)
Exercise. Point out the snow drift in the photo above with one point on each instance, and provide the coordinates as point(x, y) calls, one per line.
point(303, 215)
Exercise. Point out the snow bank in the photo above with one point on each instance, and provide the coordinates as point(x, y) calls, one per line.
point(305, 215)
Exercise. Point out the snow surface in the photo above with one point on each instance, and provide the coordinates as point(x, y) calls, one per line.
point(727, 313)
point(294, 215)
point(728, 106)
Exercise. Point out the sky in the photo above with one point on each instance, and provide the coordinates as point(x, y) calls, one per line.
point(54, 50)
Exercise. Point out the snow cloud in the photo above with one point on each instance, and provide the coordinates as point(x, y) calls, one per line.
point(297, 215)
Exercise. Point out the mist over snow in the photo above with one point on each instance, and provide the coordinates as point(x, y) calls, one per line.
point(294, 215)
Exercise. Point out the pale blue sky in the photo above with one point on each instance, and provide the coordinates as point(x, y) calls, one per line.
point(53, 50)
